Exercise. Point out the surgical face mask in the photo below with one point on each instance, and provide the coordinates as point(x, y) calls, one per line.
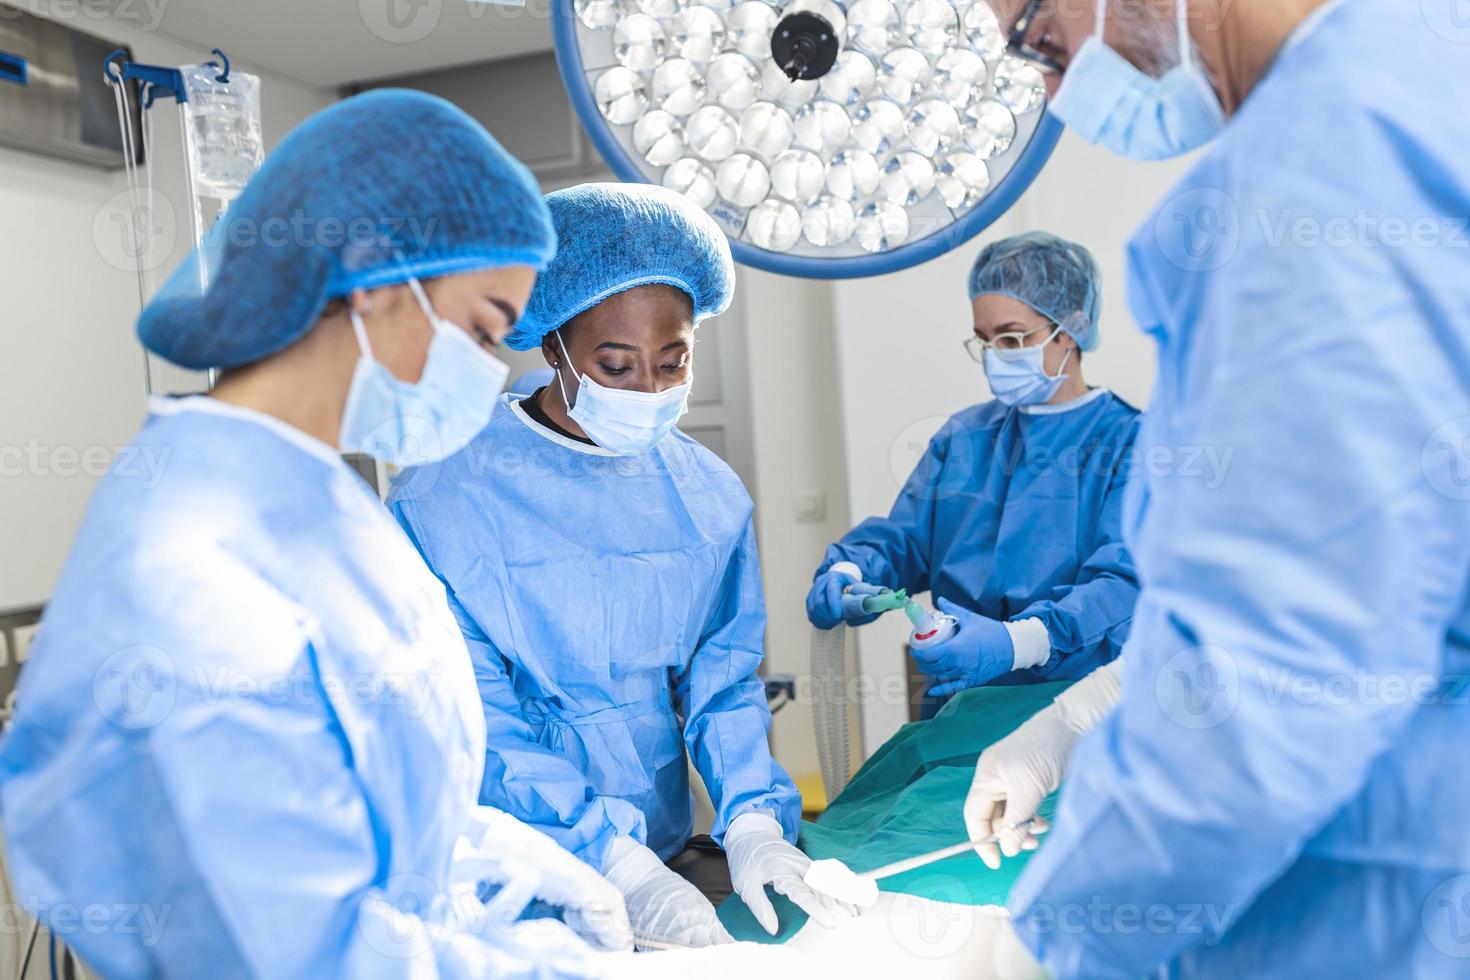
point(408, 424)
point(1021, 379)
point(629, 423)
point(1110, 102)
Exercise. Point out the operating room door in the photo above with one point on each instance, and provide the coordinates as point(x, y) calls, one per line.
point(719, 406)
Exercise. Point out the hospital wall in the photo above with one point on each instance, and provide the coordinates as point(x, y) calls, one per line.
point(71, 373)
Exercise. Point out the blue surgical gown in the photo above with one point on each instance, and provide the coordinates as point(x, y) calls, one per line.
point(1283, 790)
point(1016, 513)
point(247, 742)
point(613, 610)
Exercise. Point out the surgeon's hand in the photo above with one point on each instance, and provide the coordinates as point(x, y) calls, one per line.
point(977, 654)
point(526, 864)
point(1012, 778)
point(824, 605)
point(1015, 774)
point(665, 909)
point(759, 855)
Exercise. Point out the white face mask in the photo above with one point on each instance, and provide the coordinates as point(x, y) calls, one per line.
point(1108, 101)
point(408, 424)
point(1021, 379)
point(629, 423)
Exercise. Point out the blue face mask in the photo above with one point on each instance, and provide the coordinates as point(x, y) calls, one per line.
point(1109, 102)
point(1021, 379)
point(629, 423)
point(408, 424)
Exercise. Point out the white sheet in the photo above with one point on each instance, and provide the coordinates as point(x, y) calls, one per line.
point(900, 938)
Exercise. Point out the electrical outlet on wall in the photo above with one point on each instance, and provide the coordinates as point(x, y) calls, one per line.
point(809, 506)
point(24, 636)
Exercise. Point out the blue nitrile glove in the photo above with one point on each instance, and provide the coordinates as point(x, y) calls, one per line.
point(978, 653)
point(825, 605)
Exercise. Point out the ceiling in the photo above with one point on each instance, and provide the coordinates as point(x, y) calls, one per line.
point(328, 43)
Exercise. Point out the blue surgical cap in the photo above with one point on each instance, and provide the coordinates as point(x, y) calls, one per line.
point(373, 190)
point(612, 237)
point(1053, 276)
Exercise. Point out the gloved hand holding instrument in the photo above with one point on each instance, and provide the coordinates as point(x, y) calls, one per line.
point(1015, 774)
point(860, 888)
point(760, 855)
point(837, 596)
point(975, 651)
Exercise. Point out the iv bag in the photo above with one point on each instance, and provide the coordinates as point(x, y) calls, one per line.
point(222, 140)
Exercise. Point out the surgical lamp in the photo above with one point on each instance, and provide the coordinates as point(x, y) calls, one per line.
point(829, 140)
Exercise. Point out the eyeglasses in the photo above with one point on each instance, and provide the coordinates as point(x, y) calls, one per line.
point(1007, 346)
point(1019, 47)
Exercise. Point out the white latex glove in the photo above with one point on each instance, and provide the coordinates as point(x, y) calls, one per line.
point(499, 849)
point(759, 855)
point(665, 909)
point(1015, 774)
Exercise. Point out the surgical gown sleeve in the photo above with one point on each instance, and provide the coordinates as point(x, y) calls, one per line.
point(723, 703)
point(528, 779)
point(1088, 621)
point(278, 826)
point(1294, 618)
point(894, 551)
